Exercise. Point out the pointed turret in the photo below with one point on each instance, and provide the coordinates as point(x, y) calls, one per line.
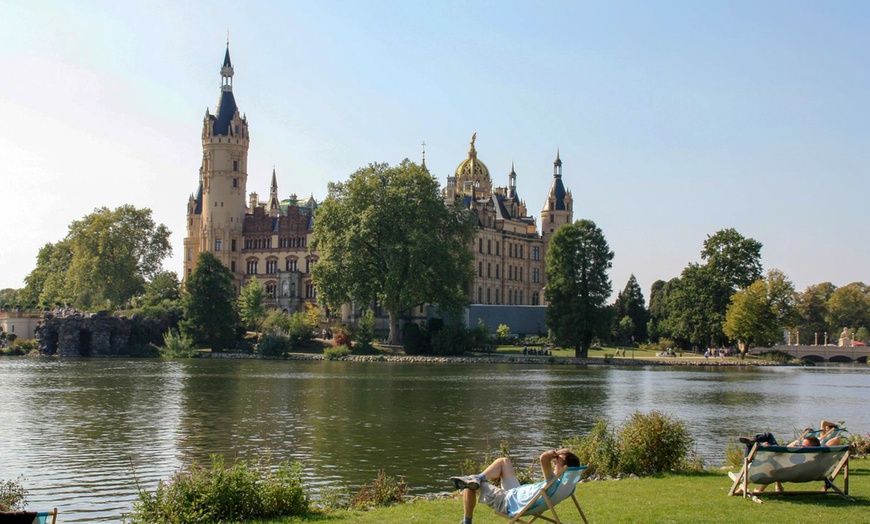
point(274, 206)
point(558, 210)
point(512, 182)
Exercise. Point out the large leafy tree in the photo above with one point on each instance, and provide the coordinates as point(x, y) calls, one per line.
point(631, 304)
point(694, 313)
point(697, 304)
point(759, 313)
point(252, 309)
point(105, 259)
point(658, 307)
point(578, 286)
point(210, 318)
point(849, 307)
point(386, 236)
point(733, 258)
point(812, 309)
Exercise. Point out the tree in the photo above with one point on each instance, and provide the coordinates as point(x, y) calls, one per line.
point(733, 258)
point(578, 286)
point(210, 319)
point(105, 259)
point(759, 313)
point(658, 307)
point(386, 237)
point(694, 314)
point(630, 303)
point(812, 309)
point(164, 286)
point(251, 304)
point(849, 306)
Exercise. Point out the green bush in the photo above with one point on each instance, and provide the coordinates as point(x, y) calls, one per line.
point(414, 341)
point(364, 334)
point(599, 450)
point(335, 353)
point(276, 321)
point(274, 345)
point(451, 340)
point(653, 443)
point(177, 345)
point(384, 491)
point(12, 494)
point(776, 356)
point(220, 494)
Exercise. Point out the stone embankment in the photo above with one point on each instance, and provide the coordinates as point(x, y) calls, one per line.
point(507, 359)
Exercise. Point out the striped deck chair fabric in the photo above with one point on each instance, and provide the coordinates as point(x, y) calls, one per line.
point(781, 464)
point(555, 491)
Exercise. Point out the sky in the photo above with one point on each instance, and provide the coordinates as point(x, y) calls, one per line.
point(673, 120)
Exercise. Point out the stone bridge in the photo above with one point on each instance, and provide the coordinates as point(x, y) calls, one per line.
point(823, 353)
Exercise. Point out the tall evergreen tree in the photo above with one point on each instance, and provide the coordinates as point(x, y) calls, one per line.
point(210, 318)
point(578, 286)
point(630, 303)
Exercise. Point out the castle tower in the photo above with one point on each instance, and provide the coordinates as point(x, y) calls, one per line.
point(216, 214)
point(559, 208)
point(274, 205)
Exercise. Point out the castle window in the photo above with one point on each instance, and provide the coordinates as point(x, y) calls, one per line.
point(189, 254)
point(489, 247)
point(521, 274)
point(233, 244)
point(480, 245)
point(536, 275)
point(488, 270)
point(252, 267)
point(536, 253)
point(291, 264)
point(521, 251)
point(235, 182)
point(271, 266)
point(497, 271)
point(270, 289)
point(218, 244)
point(552, 218)
point(480, 295)
point(520, 301)
point(480, 269)
point(510, 272)
point(488, 296)
point(235, 165)
point(535, 299)
point(497, 247)
point(233, 266)
point(236, 131)
point(497, 299)
point(310, 291)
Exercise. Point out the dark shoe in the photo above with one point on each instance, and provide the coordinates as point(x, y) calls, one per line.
point(466, 482)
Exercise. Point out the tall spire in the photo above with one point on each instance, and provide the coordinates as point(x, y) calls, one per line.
point(274, 181)
point(423, 165)
point(557, 165)
point(227, 69)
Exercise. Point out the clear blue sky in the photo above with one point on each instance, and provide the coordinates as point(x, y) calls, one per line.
point(674, 119)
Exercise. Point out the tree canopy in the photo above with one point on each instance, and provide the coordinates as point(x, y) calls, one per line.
point(758, 314)
point(252, 308)
point(578, 286)
point(105, 259)
point(210, 318)
point(631, 304)
point(386, 237)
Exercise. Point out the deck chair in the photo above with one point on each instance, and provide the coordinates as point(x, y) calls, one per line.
point(778, 464)
point(555, 491)
point(817, 432)
point(28, 517)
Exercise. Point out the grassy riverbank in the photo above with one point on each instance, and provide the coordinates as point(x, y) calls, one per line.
point(689, 498)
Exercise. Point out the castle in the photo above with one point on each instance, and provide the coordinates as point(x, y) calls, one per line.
point(269, 239)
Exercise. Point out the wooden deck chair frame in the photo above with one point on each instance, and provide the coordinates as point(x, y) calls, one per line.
point(741, 482)
point(551, 507)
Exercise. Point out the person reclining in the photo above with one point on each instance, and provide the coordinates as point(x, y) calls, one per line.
point(511, 496)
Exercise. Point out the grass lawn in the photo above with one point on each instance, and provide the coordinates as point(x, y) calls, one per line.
point(689, 498)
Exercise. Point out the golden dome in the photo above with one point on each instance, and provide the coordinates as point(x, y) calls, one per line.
point(472, 173)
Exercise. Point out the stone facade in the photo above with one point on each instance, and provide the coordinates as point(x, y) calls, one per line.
point(270, 239)
point(97, 335)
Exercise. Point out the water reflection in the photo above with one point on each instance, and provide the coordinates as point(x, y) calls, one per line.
point(84, 432)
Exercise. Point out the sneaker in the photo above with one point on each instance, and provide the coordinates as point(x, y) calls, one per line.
point(466, 482)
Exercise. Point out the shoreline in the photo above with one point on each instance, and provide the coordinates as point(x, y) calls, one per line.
point(525, 360)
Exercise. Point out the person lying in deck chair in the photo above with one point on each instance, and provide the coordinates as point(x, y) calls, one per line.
point(511, 496)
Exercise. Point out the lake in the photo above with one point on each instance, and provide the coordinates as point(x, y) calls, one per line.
point(84, 432)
